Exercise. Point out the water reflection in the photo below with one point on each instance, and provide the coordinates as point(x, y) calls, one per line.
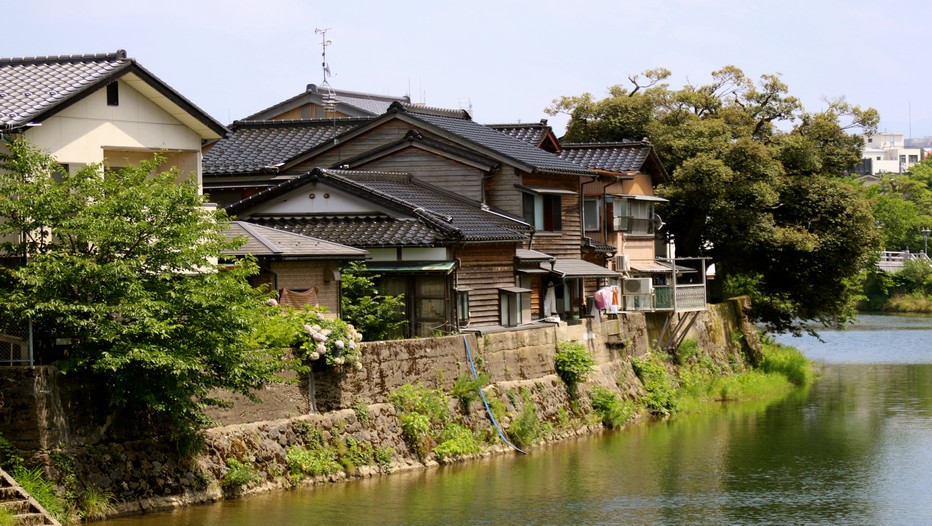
point(852, 449)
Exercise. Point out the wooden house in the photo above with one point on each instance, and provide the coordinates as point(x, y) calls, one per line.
point(302, 270)
point(451, 257)
point(102, 108)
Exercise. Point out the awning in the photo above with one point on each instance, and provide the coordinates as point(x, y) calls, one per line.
point(444, 267)
point(514, 290)
point(578, 268)
point(653, 198)
point(523, 254)
point(543, 190)
point(663, 267)
point(648, 266)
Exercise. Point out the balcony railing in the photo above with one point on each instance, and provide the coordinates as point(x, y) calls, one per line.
point(672, 296)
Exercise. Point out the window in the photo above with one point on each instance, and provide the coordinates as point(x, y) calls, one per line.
point(913, 159)
point(591, 215)
point(514, 305)
point(113, 94)
point(634, 216)
point(543, 211)
point(462, 307)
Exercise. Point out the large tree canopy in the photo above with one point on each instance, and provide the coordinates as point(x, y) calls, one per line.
point(755, 184)
point(122, 264)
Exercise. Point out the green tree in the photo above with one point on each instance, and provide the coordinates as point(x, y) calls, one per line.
point(120, 263)
point(376, 316)
point(754, 184)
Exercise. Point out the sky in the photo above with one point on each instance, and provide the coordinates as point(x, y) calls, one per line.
point(505, 60)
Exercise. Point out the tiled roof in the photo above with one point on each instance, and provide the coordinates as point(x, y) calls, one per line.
point(355, 103)
point(262, 146)
point(459, 123)
point(622, 157)
point(473, 220)
point(29, 86)
point(265, 241)
point(436, 216)
point(531, 133)
point(32, 88)
point(358, 231)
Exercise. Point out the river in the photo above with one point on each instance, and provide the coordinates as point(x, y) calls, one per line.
point(855, 448)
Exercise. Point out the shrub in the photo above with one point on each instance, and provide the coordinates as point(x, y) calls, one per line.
point(466, 389)
point(361, 409)
point(527, 428)
point(660, 398)
point(456, 441)
point(573, 364)
point(686, 351)
point(316, 336)
point(611, 409)
point(238, 476)
point(383, 456)
point(377, 316)
point(315, 459)
point(353, 453)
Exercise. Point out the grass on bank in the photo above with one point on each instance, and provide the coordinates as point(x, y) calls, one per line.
point(702, 386)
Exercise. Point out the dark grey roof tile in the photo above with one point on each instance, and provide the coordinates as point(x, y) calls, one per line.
point(262, 146)
point(622, 157)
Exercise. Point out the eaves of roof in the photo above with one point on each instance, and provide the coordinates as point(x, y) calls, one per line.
point(414, 138)
point(458, 128)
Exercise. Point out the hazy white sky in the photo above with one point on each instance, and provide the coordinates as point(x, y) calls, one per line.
point(506, 59)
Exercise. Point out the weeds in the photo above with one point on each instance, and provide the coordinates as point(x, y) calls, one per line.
point(238, 476)
point(612, 411)
point(573, 364)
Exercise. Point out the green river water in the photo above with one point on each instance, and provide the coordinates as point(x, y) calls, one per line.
point(855, 448)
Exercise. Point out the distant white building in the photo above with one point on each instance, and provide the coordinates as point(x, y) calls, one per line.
point(889, 153)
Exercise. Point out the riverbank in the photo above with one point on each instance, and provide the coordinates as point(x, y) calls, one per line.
point(406, 411)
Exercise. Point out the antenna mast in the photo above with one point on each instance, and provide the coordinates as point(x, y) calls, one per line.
point(329, 99)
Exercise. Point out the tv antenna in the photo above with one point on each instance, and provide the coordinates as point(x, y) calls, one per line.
point(329, 99)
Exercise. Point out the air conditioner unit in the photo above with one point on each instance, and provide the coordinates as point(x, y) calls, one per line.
point(622, 263)
point(638, 286)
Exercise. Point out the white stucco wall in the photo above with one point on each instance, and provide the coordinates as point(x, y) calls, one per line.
point(83, 131)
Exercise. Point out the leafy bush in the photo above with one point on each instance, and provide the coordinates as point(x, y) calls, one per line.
point(456, 441)
point(238, 476)
point(361, 409)
point(352, 453)
point(377, 316)
point(315, 459)
point(661, 392)
point(315, 335)
point(527, 428)
point(383, 456)
point(466, 389)
point(423, 413)
point(611, 409)
point(686, 351)
point(573, 364)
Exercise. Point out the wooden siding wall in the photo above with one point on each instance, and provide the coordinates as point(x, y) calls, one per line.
point(439, 171)
point(389, 132)
point(485, 268)
point(500, 191)
point(566, 243)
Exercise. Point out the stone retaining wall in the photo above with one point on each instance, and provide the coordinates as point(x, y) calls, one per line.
point(144, 474)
